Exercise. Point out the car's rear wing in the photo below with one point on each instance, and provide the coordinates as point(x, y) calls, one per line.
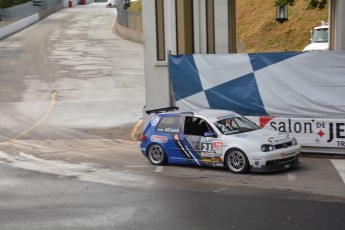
point(161, 110)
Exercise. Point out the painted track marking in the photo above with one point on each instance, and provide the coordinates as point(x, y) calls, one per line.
point(135, 129)
point(52, 104)
point(159, 169)
point(339, 165)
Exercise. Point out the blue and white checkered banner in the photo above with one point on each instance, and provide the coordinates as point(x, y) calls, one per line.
point(310, 84)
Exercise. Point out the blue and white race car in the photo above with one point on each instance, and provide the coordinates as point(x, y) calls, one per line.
point(217, 138)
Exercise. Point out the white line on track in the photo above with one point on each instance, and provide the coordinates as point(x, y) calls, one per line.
point(340, 167)
point(159, 169)
point(220, 190)
point(82, 171)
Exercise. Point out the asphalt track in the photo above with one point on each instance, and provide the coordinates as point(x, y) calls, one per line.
point(72, 89)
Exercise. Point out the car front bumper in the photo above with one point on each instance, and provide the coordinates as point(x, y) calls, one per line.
point(277, 165)
point(277, 160)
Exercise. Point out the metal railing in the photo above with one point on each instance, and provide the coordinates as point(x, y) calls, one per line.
point(19, 12)
point(131, 20)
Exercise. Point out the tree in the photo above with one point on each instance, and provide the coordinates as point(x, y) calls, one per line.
point(312, 3)
point(10, 3)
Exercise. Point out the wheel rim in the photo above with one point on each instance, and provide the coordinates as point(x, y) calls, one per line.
point(156, 154)
point(236, 161)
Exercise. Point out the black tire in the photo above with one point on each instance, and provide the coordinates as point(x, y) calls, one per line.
point(236, 161)
point(156, 155)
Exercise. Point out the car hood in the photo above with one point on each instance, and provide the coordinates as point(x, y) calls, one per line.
point(266, 136)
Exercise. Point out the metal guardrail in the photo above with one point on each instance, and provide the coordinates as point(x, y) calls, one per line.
point(19, 12)
point(131, 20)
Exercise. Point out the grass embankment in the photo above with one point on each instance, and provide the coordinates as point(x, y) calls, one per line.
point(135, 20)
point(135, 6)
point(259, 32)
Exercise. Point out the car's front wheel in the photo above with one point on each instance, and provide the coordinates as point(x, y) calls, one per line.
point(156, 155)
point(236, 161)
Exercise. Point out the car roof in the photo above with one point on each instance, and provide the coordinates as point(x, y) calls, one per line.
point(213, 112)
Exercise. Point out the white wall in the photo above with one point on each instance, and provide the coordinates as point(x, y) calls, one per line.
point(156, 73)
point(339, 33)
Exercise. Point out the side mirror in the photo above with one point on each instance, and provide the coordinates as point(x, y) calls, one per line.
point(210, 134)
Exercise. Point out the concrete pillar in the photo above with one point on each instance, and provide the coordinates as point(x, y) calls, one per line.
point(337, 25)
point(158, 92)
point(221, 26)
point(157, 83)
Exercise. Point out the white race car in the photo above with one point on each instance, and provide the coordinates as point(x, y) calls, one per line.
point(112, 3)
point(217, 138)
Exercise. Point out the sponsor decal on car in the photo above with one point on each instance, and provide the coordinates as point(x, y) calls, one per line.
point(159, 139)
point(284, 155)
point(222, 117)
point(242, 135)
point(155, 120)
point(278, 139)
point(211, 160)
point(257, 159)
point(218, 144)
point(171, 130)
point(207, 154)
point(211, 146)
point(229, 132)
point(176, 137)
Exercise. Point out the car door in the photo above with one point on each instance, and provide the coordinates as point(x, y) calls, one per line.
point(171, 127)
point(206, 150)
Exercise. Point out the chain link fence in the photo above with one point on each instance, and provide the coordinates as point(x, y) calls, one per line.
point(16, 13)
point(131, 20)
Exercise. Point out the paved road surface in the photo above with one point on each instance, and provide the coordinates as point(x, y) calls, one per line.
point(98, 78)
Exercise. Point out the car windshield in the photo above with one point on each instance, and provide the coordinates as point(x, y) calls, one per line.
point(320, 35)
point(235, 125)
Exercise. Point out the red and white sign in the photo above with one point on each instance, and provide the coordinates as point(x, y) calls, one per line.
point(309, 132)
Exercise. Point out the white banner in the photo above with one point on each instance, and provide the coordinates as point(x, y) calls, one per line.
point(309, 132)
point(308, 85)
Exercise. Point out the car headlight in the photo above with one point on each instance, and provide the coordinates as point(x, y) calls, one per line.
point(294, 141)
point(267, 148)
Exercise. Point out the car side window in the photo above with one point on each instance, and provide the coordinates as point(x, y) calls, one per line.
point(169, 124)
point(195, 126)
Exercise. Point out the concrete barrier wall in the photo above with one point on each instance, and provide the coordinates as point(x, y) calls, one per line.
point(14, 27)
point(128, 34)
point(17, 26)
point(47, 12)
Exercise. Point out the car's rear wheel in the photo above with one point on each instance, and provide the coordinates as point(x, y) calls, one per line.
point(237, 161)
point(156, 155)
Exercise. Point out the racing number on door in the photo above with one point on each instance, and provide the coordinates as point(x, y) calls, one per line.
point(206, 147)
